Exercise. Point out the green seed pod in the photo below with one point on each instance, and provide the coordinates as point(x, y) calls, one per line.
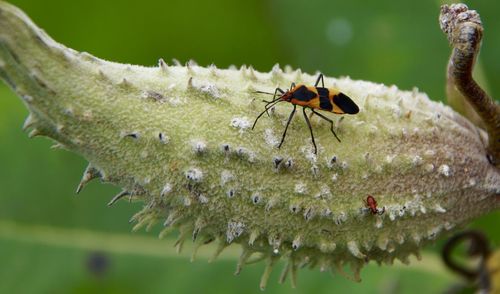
point(179, 139)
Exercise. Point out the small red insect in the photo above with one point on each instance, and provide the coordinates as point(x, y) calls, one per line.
point(371, 204)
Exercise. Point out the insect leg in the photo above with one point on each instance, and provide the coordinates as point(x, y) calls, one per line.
point(311, 115)
point(287, 124)
point(381, 211)
point(274, 102)
point(274, 98)
point(320, 77)
point(274, 95)
point(310, 129)
point(329, 120)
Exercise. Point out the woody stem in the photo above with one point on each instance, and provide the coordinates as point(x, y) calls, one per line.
point(464, 30)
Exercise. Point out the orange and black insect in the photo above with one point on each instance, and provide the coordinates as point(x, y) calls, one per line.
point(313, 98)
point(371, 204)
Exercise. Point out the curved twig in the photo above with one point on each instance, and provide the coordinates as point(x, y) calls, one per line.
point(464, 30)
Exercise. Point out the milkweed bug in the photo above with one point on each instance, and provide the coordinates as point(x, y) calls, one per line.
point(313, 98)
point(371, 204)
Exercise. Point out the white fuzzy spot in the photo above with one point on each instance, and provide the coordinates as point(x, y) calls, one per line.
point(27, 98)
point(300, 188)
point(194, 174)
point(379, 223)
point(187, 201)
point(234, 230)
point(243, 152)
point(295, 208)
point(230, 193)
point(344, 165)
point(164, 139)
point(472, 182)
point(256, 198)
point(315, 170)
point(241, 123)
point(392, 215)
point(270, 138)
point(296, 243)
point(429, 153)
point(325, 193)
point(198, 146)
point(152, 95)
point(396, 111)
point(274, 241)
point(342, 218)
point(289, 163)
point(326, 212)
point(404, 132)
point(335, 177)
point(390, 158)
point(423, 210)
point(277, 160)
point(445, 170)
point(202, 199)
point(211, 90)
point(367, 245)
point(225, 177)
point(354, 249)
point(175, 101)
point(439, 208)
point(332, 161)
point(166, 190)
point(327, 247)
point(448, 226)
point(308, 151)
point(308, 213)
point(432, 233)
point(416, 160)
point(271, 203)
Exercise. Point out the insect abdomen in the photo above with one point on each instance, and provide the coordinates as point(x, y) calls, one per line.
point(345, 103)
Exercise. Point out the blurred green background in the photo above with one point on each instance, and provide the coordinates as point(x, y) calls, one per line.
point(54, 242)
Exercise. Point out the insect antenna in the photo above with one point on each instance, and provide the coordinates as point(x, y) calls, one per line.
point(268, 105)
point(262, 92)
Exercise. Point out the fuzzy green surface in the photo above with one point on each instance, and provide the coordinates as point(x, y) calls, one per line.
point(146, 129)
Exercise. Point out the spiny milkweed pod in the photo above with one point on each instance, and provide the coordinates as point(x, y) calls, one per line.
point(178, 138)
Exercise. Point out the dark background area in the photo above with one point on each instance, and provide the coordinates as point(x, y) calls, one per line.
point(54, 242)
